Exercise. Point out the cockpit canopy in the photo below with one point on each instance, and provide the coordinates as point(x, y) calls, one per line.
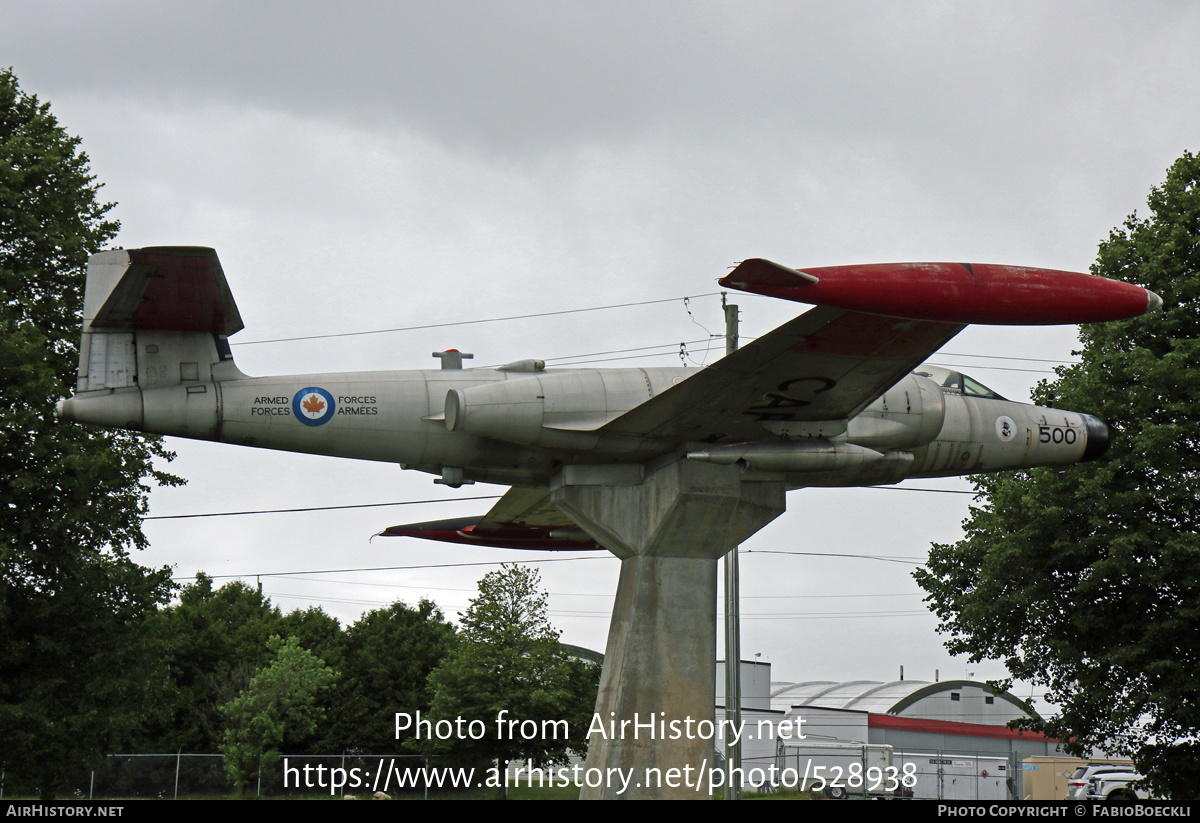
point(955, 382)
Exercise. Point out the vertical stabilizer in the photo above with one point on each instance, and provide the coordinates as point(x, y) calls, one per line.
point(154, 319)
point(107, 359)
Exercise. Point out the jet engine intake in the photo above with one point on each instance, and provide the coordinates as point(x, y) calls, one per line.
point(909, 414)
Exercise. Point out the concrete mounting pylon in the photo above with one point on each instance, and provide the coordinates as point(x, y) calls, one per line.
point(669, 531)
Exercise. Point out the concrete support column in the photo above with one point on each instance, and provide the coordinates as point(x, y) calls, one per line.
point(669, 530)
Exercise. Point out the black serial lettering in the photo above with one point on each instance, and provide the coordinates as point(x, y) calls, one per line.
point(790, 396)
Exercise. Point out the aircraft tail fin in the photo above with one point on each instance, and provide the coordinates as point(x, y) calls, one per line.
point(155, 317)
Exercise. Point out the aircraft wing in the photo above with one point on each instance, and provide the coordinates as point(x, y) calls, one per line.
point(825, 365)
point(523, 518)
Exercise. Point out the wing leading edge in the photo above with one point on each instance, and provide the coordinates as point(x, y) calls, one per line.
point(825, 365)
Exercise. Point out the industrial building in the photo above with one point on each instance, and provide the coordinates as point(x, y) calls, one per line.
point(950, 737)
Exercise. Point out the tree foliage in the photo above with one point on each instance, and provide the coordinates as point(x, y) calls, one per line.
point(508, 664)
point(215, 639)
point(1088, 580)
point(385, 659)
point(281, 705)
point(76, 672)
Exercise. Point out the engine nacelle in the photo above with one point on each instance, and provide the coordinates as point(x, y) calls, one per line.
point(558, 410)
point(909, 414)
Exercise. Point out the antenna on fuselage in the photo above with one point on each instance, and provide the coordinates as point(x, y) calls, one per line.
point(452, 358)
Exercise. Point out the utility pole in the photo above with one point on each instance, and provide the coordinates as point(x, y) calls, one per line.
point(733, 640)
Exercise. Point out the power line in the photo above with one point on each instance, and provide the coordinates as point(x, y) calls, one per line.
point(319, 508)
point(820, 596)
point(672, 346)
point(914, 489)
point(684, 298)
point(772, 615)
point(675, 353)
point(915, 561)
point(836, 615)
point(575, 557)
point(990, 368)
point(397, 568)
point(672, 351)
point(606, 615)
point(452, 500)
point(599, 594)
point(1009, 357)
point(473, 322)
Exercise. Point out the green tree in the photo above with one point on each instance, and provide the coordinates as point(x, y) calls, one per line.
point(78, 673)
point(385, 659)
point(215, 640)
point(1087, 580)
point(317, 631)
point(509, 666)
point(280, 706)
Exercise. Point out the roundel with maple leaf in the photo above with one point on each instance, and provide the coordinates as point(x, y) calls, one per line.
point(313, 406)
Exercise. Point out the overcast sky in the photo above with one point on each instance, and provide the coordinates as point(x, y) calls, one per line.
point(364, 166)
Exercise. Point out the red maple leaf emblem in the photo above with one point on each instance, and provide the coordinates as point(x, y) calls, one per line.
point(313, 404)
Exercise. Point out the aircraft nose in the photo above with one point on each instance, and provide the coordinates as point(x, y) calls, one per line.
point(1097, 437)
point(1153, 301)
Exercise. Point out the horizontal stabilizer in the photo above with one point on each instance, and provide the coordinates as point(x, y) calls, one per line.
point(164, 288)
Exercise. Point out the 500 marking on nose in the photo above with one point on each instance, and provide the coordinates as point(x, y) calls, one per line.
point(1056, 434)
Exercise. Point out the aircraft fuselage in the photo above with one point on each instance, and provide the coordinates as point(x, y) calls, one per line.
point(519, 427)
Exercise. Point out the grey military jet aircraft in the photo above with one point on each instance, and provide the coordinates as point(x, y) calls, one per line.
point(837, 396)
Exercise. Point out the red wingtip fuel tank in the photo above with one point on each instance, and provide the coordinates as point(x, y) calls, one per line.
point(951, 292)
point(515, 536)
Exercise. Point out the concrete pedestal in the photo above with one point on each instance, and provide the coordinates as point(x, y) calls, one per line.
point(656, 692)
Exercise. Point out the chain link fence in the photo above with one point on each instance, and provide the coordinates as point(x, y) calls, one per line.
point(181, 776)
